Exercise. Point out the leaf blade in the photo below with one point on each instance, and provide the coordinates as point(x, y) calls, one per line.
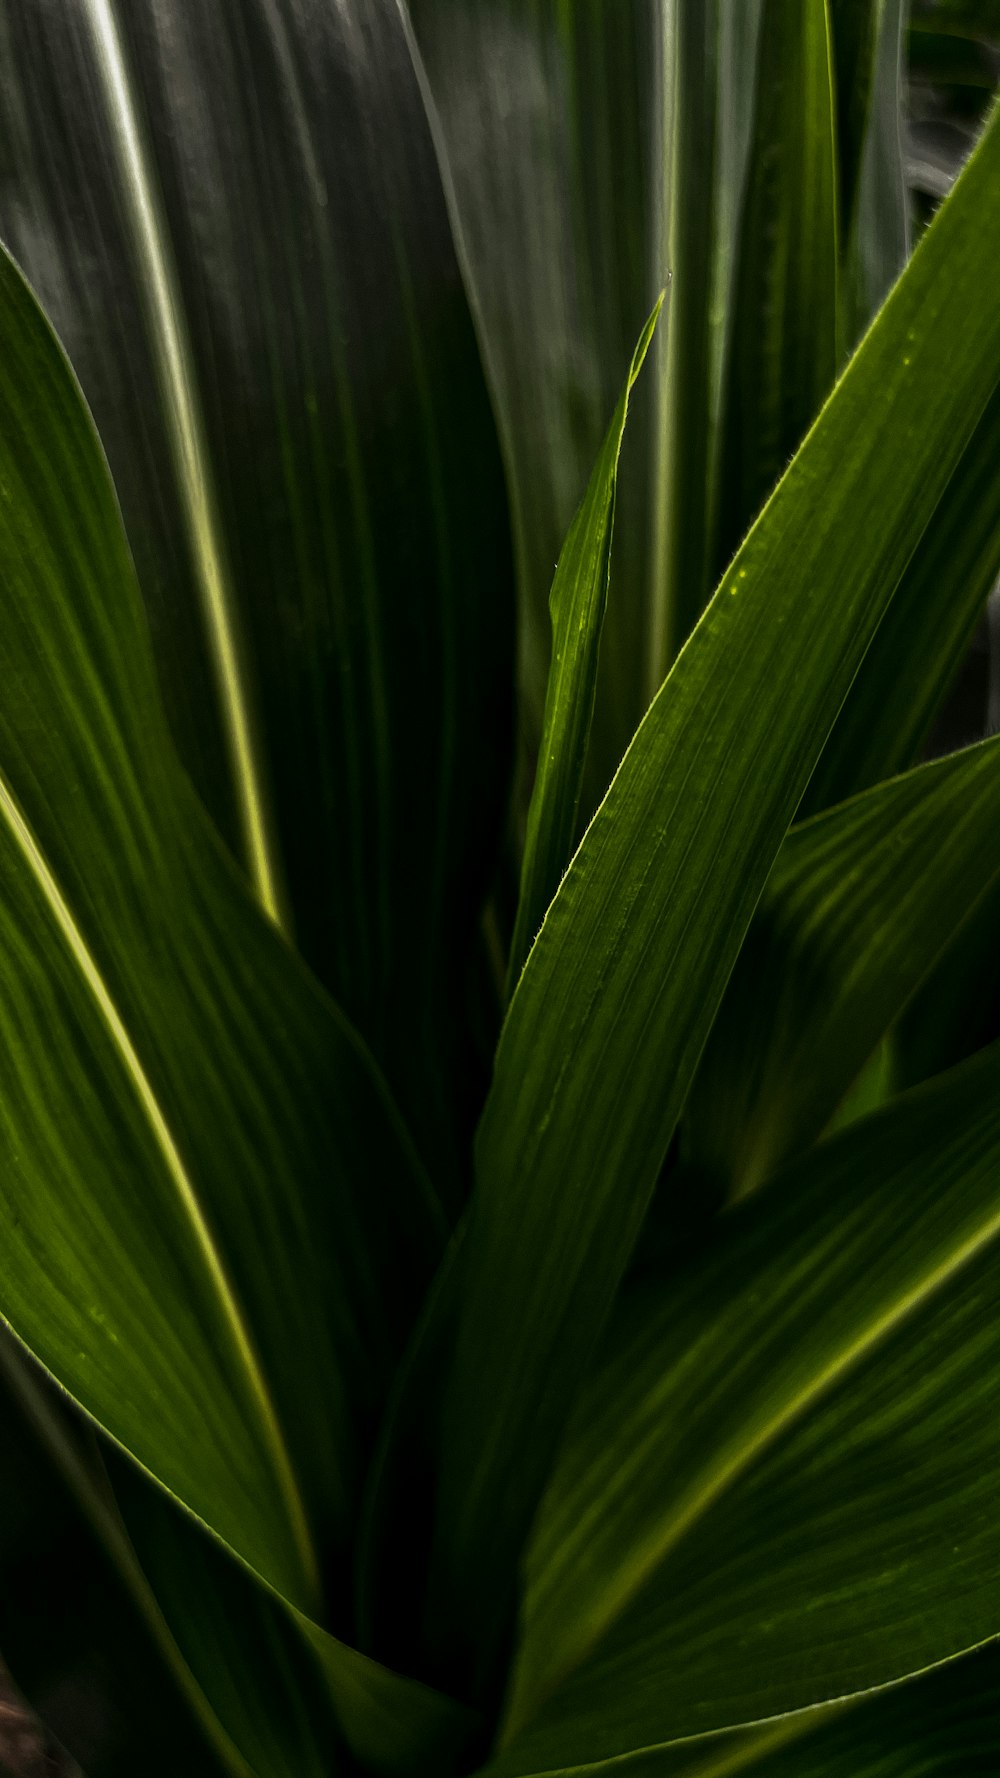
point(828, 1463)
point(591, 997)
point(861, 903)
point(577, 604)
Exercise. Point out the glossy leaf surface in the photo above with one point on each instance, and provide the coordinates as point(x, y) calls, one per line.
point(778, 1490)
point(614, 1006)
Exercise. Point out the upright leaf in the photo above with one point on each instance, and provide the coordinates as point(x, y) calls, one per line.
point(191, 1131)
point(784, 347)
point(868, 44)
point(254, 277)
point(621, 987)
point(553, 154)
point(577, 605)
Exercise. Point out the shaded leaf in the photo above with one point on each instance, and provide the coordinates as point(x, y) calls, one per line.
point(618, 996)
point(859, 906)
point(190, 1129)
point(868, 45)
point(945, 1722)
point(255, 280)
point(577, 604)
point(778, 1490)
point(784, 348)
point(912, 662)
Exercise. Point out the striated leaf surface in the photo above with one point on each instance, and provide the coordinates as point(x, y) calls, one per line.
point(614, 1006)
point(778, 1489)
point(860, 905)
point(234, 217)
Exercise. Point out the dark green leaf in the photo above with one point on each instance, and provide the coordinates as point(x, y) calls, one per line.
point(868, 47)
point(945, 1723)
point(190, 1129)
point(577, 604)
point(913, 660)
point(553, 145)
point(784, 345)
point(779, 1489)
point(859, 906)
point(234, 216)
point(616, 1001)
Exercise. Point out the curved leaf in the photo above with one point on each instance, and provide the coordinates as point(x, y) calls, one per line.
point(189, 1128)
point(778, 1490)
point(619, 992)
point(913, 660)
point(859, 906)
point(934, 1727)
point(577, 604)
point(255, 280)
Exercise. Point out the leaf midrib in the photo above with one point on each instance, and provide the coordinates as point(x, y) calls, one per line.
point(186, 432)
point(711, 1486)
point(184, 1187)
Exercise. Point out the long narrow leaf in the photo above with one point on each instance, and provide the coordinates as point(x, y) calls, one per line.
point(779, 1489)
point(618, 996)
point(861, 903)
point(913, 660)
point(283, 370)
point(577, 604)
point(190, 1128)
point(784, 346)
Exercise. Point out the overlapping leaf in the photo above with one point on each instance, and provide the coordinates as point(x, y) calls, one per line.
point(215, 1233)
point(233, 215)
point(577, 605)
point(619, 993)
point(784, 348)
point(861, 903)
point(868, 46)
point(778, 1491)
point(934, 1727)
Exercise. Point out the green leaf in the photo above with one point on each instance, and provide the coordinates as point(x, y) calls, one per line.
point(618, 996)
point(189, 1127)
point(784, 348)
point(66, 1623)
point(971, 18)
point(284, 373)
point(577, 604)
point(547, 119)
point(917, 651)
point(868, 45)
point(861, 903)
point(943, 1723)
point(288, 1692)
point(779, 1488)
